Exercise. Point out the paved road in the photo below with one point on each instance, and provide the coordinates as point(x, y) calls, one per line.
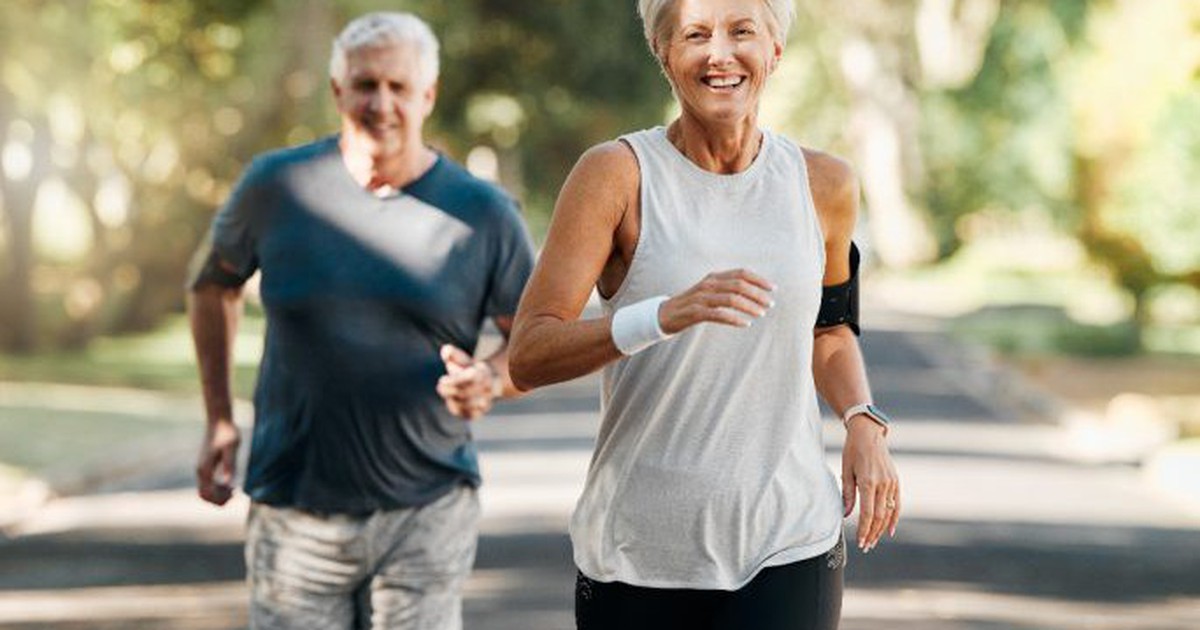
point(1004, 530)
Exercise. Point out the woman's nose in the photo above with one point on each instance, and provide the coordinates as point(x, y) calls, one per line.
point(720, 50)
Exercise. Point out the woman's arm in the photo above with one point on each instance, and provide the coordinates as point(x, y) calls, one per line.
point(838, 366)
point(549, 342)
point(596, 218)
point(838, 369)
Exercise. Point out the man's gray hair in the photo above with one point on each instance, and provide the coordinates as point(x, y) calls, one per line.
point(656, 20)
point(386, 28)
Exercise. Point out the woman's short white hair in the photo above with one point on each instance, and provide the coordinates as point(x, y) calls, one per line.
point(656, 19)
point(382, 29)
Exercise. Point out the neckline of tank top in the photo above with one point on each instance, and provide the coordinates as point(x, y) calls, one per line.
point(721, 181)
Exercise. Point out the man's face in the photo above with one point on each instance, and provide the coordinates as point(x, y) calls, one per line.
point(384, 99)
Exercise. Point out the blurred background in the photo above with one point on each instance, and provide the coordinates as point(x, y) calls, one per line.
point(1029, 175)
point(1010, 152)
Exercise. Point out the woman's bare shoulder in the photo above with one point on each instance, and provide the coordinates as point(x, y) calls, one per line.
point(830, 176)
point(834, 185)
point(600, 187)
point(613, 158)
point(606, 176)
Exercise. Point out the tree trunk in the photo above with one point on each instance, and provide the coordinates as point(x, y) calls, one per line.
point(1129, 263)
point(892, 50)
point(884, 123)
point(85, 182)
point(952, 36)
point(20, 306)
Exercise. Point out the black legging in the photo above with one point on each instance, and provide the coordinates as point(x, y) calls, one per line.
point(805, 595)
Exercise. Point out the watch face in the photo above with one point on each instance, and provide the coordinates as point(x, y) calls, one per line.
point(877, 412)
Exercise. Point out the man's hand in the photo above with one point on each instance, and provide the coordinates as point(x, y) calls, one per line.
point(469, 386)
point(217, 464)
point(868, 472)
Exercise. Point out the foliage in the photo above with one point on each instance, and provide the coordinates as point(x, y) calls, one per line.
point(519, 78)
point(123, 124)
point(1158, 200)
point(1135, 99)
point(1083, 113)
point(136, 125)
point(1002, 140)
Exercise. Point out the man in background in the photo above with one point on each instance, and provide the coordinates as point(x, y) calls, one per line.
point(381, 260)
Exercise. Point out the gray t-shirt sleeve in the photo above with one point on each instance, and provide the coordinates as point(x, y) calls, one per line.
point(512, 264)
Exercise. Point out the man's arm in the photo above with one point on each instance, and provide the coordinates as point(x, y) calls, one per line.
point(214, 311)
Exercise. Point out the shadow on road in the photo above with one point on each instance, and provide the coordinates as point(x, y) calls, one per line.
point(1101, 564)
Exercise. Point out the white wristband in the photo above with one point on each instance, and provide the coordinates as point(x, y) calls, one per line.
point(635, 327)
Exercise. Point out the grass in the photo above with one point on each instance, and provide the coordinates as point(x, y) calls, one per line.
point(161, 360)
point(43, 441)
point(1037, 296)
point(82, 430)
point(1035, 329)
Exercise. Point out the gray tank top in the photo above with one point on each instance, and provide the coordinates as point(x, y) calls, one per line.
point(709, 464)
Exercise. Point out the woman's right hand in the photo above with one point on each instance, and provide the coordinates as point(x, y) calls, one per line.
point(721, 297)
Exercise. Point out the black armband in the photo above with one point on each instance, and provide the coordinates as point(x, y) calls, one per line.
point(839, 303)
point(213, 272)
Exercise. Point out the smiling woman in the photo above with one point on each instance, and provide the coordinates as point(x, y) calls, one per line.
point(659, 19)
point(723, 258)
point(717, 56)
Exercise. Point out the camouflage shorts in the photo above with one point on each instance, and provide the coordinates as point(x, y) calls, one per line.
point(400, 569)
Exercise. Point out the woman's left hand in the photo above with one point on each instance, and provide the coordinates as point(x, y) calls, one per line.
point(869, 473)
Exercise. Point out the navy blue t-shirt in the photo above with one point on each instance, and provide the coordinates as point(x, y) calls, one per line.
point(360, 293)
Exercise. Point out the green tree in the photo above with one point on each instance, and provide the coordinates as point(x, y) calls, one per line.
point(122, 137)
point(136, 125)
point(540, 82)
point(866, 71)
point(1135, 98)
point(1001, 140)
